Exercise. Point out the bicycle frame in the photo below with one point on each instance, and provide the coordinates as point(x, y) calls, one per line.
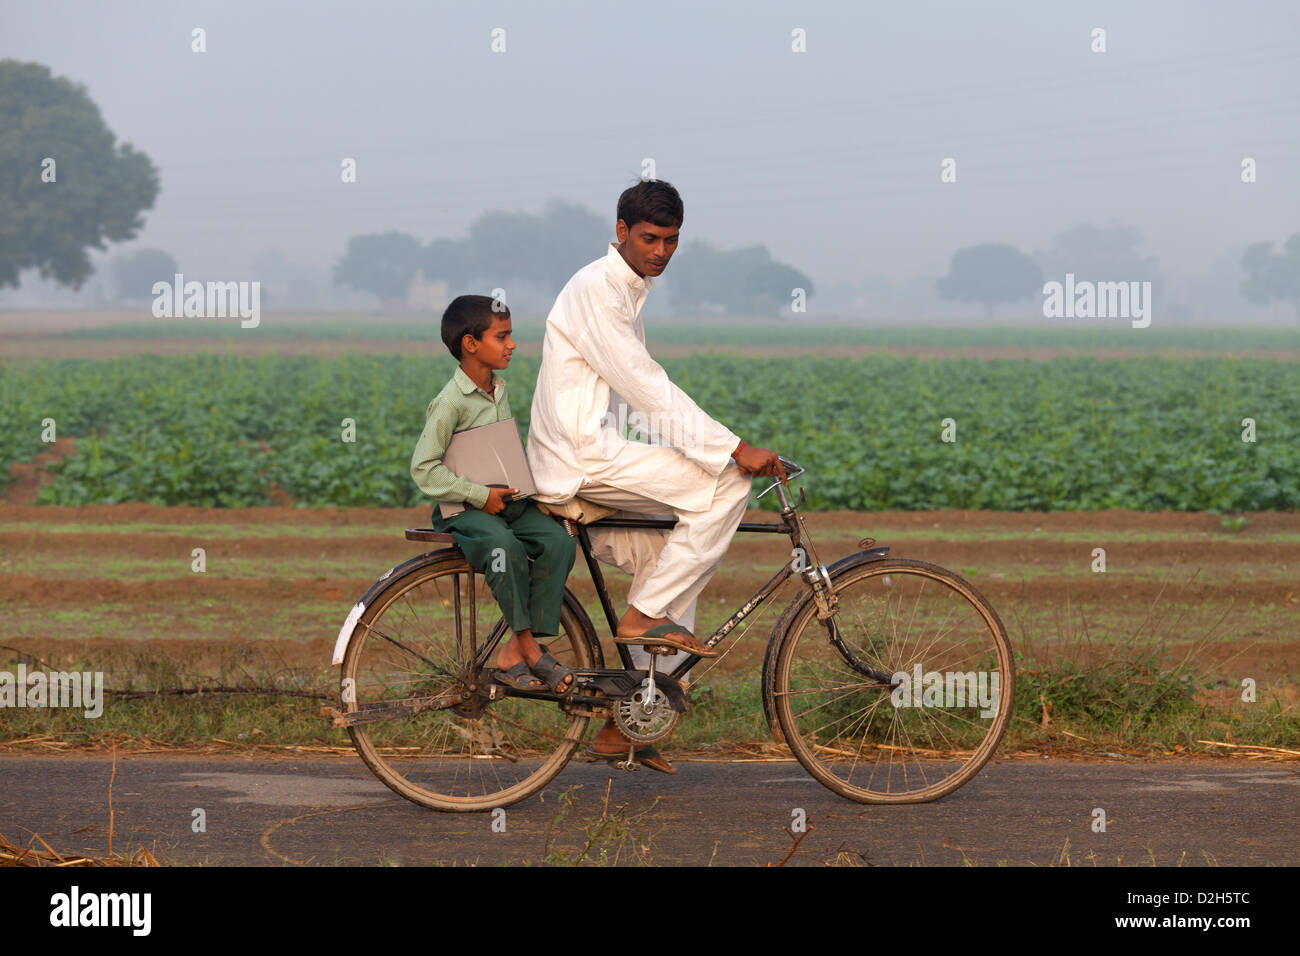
point(785, 526)
point(791, 523)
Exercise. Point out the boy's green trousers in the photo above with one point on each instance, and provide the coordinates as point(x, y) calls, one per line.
point(499, 545)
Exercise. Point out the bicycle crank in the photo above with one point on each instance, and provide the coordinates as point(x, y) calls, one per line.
point(647, 714)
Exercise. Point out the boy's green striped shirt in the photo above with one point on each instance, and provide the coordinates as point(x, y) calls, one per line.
point(460, 405)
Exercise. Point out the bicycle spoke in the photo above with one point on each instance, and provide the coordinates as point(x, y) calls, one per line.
point(928, 731)
point(479, 751)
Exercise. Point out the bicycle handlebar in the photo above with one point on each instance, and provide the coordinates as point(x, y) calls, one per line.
point(792, 470)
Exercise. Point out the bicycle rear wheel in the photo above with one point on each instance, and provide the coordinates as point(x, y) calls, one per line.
point(906, 698)
point(440, 740)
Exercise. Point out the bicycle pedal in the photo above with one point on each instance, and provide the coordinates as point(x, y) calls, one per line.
point(630, 763)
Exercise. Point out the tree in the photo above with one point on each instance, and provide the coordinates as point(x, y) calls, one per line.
point(572, 236)
point(67, 187)
point(1270, 276)
point(134, 273)
point(448, 259)
point(739, 281)
point(1094, 254)
point(770, 287)
point(506, 247)
point(382, 264)
point(990, 273)
point(542, 252)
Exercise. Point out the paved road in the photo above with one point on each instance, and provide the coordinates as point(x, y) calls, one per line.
point(321, 812)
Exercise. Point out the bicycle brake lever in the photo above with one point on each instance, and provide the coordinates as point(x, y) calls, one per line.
point(792, 470)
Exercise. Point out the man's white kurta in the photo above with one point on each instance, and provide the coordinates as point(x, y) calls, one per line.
point(594, 358)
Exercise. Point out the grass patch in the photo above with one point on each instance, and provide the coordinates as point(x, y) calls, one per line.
point(1123, 701)
point(389, 526)
point(609, 839)
point(197, 619)
point(220, 567)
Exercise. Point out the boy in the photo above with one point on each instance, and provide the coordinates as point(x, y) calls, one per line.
point(530, 596)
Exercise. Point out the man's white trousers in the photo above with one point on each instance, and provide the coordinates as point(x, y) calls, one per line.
point(669, 568)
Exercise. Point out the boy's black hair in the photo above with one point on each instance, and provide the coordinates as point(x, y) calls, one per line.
point(654, 201)
point(468, 315)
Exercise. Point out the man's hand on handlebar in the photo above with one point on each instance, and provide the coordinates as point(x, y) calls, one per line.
point(758, 461)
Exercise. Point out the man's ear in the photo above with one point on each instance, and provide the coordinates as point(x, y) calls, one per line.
point(620, 230)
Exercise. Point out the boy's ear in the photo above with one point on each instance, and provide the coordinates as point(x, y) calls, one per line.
point(468, 343)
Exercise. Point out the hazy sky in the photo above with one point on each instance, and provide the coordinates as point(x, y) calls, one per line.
point(830, 157)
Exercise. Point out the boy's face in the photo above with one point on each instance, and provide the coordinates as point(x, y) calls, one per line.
point(496, 346)
point(647, 247)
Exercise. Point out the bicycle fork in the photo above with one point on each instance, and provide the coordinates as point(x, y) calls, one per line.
point(818, 579)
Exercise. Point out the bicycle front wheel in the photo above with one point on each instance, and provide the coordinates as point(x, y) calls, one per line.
point(903, 695)
point(432, 733)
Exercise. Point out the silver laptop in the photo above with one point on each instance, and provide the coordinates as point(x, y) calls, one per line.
point(489, 455)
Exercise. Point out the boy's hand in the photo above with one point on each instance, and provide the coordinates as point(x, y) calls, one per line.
point(496, 500)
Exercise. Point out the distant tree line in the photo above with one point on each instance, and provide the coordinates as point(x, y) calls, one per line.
point(503, 248)
point(991, 273)
point(69, 187)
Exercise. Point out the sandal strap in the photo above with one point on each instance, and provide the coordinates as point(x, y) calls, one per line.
point(552, 672)
point(517, 676)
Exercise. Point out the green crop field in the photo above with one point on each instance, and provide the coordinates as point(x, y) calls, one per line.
point(738, 332)
point(1068, 434)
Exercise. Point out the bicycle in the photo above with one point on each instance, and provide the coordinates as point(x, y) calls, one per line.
point(882, 692)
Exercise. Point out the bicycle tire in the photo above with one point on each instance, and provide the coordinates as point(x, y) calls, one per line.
point(443, 759)
point(928, 724)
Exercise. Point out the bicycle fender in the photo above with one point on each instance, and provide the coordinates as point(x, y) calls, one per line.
point(345, 632)
point(354, 615)
point(803, 596)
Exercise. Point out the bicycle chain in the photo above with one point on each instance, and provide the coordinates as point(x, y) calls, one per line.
point(532, 730)
point(574, 711)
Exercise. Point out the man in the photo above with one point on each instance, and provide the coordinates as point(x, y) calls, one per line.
point(595, 375)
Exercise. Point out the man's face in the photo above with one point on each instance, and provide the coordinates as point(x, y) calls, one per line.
point(647, 247)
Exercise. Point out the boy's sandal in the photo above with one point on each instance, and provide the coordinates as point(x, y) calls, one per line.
point(553, 672)
point(518, 677)
point(647, 756)
point(661, 636)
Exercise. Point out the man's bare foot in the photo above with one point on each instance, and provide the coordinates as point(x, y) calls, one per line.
point(610, 742)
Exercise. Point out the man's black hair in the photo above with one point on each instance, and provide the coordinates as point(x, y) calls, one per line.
point(654, 201)
point(468, 315)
